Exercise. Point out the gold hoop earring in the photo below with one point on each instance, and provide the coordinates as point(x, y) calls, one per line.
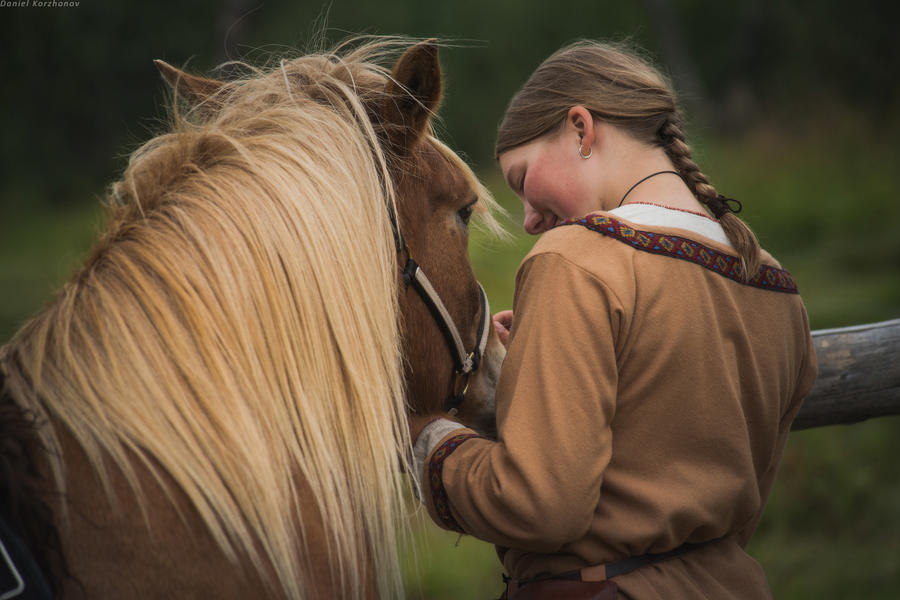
point(581, 152)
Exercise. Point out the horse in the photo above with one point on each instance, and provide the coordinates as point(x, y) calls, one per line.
point(215, 404)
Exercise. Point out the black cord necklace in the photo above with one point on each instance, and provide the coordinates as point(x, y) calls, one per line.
point(643, 180)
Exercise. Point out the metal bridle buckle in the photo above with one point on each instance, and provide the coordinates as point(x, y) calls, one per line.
point(457, 396)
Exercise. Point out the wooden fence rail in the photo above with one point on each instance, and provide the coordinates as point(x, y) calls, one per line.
point(859, 375)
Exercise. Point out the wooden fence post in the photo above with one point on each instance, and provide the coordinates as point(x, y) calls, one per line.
point(859, 375)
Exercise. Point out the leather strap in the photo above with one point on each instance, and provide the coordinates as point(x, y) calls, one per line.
point(555, 589)
point(606, 571)
point(20, 576)
point(627, 565)
point(464, 363)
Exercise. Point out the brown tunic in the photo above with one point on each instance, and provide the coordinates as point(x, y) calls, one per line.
point(644, 403)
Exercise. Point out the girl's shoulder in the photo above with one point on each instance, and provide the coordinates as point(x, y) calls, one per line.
point(597, 256)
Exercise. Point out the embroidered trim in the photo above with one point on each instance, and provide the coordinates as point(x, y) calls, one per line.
point(435, 469)
point(768, 278)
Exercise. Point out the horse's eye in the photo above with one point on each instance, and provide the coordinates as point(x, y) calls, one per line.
point(465, 213)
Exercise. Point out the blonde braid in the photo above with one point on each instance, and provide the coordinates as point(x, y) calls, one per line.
point(672, 140)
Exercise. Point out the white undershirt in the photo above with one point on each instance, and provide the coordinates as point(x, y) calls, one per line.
point(428, 439)
point(661, 216)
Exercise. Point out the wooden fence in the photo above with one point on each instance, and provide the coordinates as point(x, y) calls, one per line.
point(859, 375)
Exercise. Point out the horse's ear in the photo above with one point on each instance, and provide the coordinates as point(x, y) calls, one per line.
point(413, 94)
point(190, 87)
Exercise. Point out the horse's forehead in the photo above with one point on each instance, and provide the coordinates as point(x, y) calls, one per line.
point(439, 172)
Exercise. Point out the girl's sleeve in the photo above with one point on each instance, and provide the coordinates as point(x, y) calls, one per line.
point(537, 487)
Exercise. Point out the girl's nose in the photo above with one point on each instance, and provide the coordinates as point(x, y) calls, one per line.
point(535, 222)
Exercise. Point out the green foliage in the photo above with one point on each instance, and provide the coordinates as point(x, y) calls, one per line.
point(81, 87)
point(831, 528)
point(442, 565)
point(38, 252)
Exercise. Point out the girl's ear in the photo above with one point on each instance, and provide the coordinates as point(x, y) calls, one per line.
point(581, 121)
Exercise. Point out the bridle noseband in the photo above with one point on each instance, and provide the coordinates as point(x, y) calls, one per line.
point(465, 363)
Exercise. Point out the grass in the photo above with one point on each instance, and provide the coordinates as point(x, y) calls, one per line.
point(827, 208)
point(443, 565)
point(832, 525)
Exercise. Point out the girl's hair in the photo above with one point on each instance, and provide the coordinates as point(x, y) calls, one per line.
point(619, 87)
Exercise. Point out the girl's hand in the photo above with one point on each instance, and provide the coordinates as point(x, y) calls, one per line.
point(503, 321)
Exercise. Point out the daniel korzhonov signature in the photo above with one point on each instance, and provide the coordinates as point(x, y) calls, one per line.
point(40, 3)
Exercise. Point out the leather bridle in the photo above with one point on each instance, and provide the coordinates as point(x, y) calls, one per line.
point(465, 363)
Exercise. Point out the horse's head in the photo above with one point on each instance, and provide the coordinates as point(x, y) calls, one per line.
point(436, 194)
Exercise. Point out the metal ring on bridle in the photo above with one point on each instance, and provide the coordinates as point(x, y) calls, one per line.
point(455, 400)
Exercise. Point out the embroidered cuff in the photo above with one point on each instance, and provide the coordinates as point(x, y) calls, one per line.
point(428, 439)
point(436, 483)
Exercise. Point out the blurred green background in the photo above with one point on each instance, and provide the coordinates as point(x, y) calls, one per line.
point(795, 110)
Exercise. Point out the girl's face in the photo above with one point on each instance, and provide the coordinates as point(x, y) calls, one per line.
point(552, 180)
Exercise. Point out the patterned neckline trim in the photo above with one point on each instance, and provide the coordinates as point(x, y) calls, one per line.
point(682, 248)
point(684, 210)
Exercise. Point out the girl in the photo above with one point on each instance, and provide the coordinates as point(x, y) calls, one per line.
point(656, 360)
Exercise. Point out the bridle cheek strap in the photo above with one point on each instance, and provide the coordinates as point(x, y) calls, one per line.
point(465, 362)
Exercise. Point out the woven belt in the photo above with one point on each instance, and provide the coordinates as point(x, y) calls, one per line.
point(612, 569)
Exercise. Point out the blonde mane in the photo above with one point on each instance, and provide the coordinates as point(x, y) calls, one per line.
point(237, 321)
